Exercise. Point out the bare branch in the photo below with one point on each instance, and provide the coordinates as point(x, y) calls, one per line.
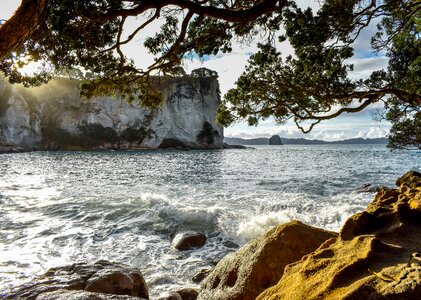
point(308, 130)
point(170, 54)
point(120, 53)
point(136, 31)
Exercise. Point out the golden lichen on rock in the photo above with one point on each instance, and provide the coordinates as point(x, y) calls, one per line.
point(243, 275)
point(376, 255)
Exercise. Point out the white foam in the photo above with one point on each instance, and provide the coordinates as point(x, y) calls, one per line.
point(180, 211)
point(152, 199)
point(258, 225)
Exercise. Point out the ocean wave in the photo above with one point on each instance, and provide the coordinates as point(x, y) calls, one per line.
point(258, 225)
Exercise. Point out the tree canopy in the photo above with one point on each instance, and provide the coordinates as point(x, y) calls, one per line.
point(313, 85)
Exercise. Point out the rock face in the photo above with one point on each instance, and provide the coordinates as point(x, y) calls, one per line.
point(376, 256)
point(54, 117)
point(243, 275)
point(102, 280)
point(275, 140)
point(19, 129)
point(188, 240)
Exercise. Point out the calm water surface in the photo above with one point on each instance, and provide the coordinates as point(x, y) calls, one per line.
point(62, 207)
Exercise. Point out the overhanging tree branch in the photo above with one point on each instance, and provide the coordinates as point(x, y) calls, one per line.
point(19, 28)
point(231, 15)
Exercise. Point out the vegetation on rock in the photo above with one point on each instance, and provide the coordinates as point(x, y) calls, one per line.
point(312, 86)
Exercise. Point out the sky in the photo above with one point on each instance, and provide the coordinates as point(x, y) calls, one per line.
point(230, 66)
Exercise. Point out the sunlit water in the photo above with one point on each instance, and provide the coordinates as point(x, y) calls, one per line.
point(62, 207)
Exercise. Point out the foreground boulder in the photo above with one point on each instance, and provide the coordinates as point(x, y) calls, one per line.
point(102, 280)
point(81, 295)
point(376, 256)
point(243, 275)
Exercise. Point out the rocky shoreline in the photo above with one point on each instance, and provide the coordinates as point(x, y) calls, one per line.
point(376, 255)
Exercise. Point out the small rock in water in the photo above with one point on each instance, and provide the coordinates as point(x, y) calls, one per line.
point(370, 188)
point(188, 240)
point(103, 277)
point(82, 295)
point(170, 296)
point(199, 276)
point(188, 293)
point(182, 294)
point(230, 244)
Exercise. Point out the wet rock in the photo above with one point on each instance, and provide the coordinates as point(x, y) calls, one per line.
point(170, 296)
point(182, 294)
point(226, 146)
point(188, 240)
point(259, 264)
point(376, 255)
point(102, 277)
point(188, 293)
point(81, 295)
point(230, 244)
point(202, 274)
point(370, 188)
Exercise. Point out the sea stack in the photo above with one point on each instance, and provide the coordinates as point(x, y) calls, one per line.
point(275, 140)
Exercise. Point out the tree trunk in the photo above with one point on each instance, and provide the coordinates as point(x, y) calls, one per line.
point(21, 25)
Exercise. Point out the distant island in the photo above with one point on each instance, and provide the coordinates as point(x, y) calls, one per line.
point(301, 141)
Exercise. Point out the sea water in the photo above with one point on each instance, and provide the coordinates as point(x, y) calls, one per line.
point(58, 208)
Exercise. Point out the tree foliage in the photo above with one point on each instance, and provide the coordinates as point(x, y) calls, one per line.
point(313, 85)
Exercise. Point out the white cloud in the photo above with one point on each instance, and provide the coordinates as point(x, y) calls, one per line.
point(314, 4)
point(229, 68)
point(363, 67)
point(373, 132)
point(8, 7)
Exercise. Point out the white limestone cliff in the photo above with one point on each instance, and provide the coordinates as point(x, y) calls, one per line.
point(55, 117)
